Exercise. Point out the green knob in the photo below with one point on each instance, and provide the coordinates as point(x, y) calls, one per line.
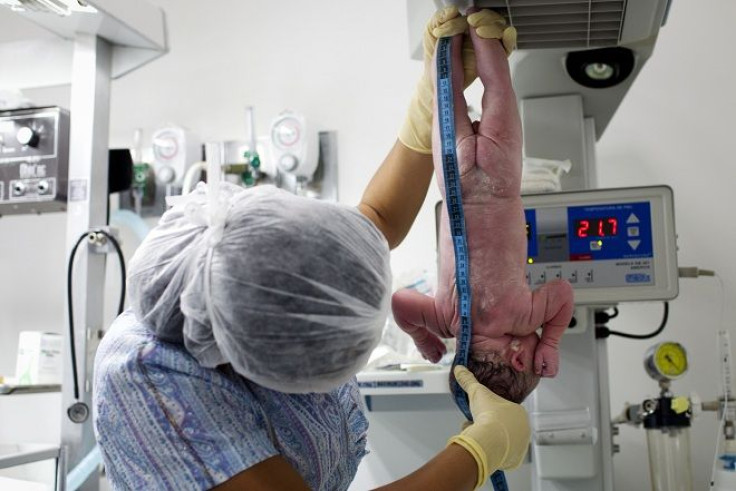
point(247, 178)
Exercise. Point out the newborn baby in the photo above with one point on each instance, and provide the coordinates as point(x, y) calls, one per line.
point(506, 355)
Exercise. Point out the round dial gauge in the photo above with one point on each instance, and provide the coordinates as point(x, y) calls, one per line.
point(666, 361)
point(165, 147)
point(286, 132)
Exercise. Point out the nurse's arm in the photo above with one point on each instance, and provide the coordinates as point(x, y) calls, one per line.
point(453, 469)
point(273, 474)
point(395, 194)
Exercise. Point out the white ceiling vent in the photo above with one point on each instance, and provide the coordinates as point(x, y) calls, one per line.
point(563, 23)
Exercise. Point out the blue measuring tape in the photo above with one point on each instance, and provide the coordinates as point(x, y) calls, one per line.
point(454, 203)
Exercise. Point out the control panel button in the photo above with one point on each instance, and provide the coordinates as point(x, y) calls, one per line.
point(632, 231)
point(166, 174)
point(19, 188)
point(540, 278)
point(26, 136)
point(288, 162)
point(43, 186)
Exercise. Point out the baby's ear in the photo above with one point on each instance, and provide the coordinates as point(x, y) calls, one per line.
point(518, 361)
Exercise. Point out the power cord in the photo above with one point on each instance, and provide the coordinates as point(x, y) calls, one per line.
point(79, 412)
point(602, 317)
point(694, 272)
point(602, 332)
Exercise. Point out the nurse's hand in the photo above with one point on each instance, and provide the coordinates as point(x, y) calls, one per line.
point(396, 192)
point(416, 132)
point(499, 436)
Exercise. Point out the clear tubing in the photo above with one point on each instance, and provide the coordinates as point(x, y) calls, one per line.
point(250, 128)
point(214, 152)
point(138, 146)
point(669, 459)
point(725, 349)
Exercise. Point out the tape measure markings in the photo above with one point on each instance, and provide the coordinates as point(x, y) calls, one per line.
point(454, 204)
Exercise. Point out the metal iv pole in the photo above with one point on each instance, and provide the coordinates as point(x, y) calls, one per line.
point(87, 208)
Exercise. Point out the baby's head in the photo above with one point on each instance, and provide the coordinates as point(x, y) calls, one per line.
point(508, 370)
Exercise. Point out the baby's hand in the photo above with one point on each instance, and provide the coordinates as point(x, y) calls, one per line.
point(546, 360)
point(416, 314)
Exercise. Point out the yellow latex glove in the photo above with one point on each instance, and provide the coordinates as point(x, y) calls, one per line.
point(416, 132)
point(491, 25)
point(499, 435)
point(488, 25)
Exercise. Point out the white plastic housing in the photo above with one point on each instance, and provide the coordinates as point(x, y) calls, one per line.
point(294, 145)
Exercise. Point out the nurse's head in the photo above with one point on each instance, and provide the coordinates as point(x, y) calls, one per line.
point(292, 292)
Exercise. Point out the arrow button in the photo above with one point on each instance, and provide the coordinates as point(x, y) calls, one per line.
point(632, 219)
point(634, 244)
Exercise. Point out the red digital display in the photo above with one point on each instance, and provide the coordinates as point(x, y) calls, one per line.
point(596, 227)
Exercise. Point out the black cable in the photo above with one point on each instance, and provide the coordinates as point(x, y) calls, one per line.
point(71, 313)
point(70, 307)
point(615, 313)
point(604, 332)
point(121, 259)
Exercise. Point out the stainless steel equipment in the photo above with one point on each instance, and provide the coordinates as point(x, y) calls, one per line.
point(34, 160)
point(89, 51)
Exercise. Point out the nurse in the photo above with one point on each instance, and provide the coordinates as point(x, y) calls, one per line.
point(251, 313)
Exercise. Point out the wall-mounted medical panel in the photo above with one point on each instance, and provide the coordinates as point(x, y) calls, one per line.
point(34, 160)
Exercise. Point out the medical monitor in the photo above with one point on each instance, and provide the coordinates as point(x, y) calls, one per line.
point(612, 245)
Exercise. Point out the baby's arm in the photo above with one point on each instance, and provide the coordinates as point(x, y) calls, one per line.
point(552, 308)
point(417, 316)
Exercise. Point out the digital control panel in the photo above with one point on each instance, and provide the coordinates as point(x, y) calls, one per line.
point(612, 245)
point(34, 160)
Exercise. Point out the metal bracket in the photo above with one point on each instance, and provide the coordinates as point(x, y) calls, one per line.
point(98, 241)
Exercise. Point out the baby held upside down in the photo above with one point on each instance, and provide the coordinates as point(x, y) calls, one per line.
point(506, 354)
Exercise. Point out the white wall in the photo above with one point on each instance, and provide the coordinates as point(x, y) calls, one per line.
point(676, 127)
point(345, 65)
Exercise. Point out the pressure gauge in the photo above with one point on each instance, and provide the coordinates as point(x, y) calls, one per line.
point(294, 145)
point(666, 361)
point(286, 132)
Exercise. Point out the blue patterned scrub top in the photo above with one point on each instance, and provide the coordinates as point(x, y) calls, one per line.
point(164, 422)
